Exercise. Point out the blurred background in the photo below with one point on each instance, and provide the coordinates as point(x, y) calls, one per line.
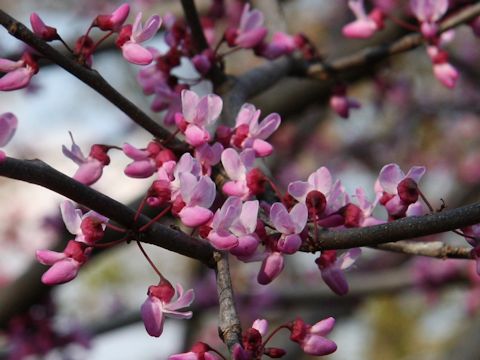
point(398, 307)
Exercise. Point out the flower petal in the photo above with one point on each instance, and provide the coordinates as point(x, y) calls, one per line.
point(152, 316)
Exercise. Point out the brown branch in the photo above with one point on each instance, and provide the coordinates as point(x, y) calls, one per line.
point(435, 249)
point(406, 228)
point(216, 74)
point(229, 327)
point(90, 77)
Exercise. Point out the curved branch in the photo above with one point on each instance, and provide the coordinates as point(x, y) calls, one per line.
point(39, 173)
point(406, 228)
point(435, 249)
point(90, 77)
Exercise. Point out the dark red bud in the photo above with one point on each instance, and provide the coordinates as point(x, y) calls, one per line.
point(385, 198)
point(316, 203)
point(154, 148)
point(159, 193)
point(164, 156)
point(92, 230)
point(378, 17)
point(99, 152)
point(163, 291)
point(298, 330)
point(408, 191)
point(230, 36)
point(200, 348)
point(326, 259)
point(252, 339)
point(274, 353)
point(352, 214)
point(124, 35)
point(177, 206)
point(256, 181)
point(76, 251)
point(204, 230)
point(224, 135)
point(239, 135)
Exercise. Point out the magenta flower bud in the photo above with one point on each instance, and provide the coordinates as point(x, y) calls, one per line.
point(113, 21)
point(272, 266)
point(45, 32)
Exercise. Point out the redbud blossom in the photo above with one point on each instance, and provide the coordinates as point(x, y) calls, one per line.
point(199, 351)
point(113, 21)
point(290, 225)
point(64, 265)
point(390, 184)
point(131, 36)
point(251, 134)
point(250, 31)
point(90, 168)
point(197, 114)
point(428, 13)
point(332, 267)
point(88, 227)
point(18, 73)
point(365, 25)
point(281, 44)
point(341, 104)
point(45, 32)
point(311, 338)
point(160, 303)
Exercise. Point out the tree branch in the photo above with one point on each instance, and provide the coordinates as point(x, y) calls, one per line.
point(229, 328)
point(90, 77)
point(406, 228)
point(435, 249)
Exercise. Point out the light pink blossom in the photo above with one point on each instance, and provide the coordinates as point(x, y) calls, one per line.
point(365, 25)
point(250, 31)
point(311, 338)
point(18, 73)
point(64, 266)
point(88, 227)
point(237, 166)
point(428, 13)
point(131, 37)
point(160, 303)
point(290, 225)
point(90, 168)
point(249, 133)
point(197, 114)
point(45, 32)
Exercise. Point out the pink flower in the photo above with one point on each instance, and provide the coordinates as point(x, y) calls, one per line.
point(237, 166)
point(290, 225)
point(88, 227)
point(45, 32)
point(342, 104)
point(160, 303)
point(332, 267)
point(365, 25)
point(442, 70)
point(197, 114)
point(146, 161)
point(130, 38)
point(312, 338)
point(198, 195)
point(281, 44)
point(18, 73)
point(272, 266)
point(399, 192)
point(250, 134)
point(233, 227)
point(250, 32)
point(90, 168)
point(199, 351)
point(208, 156)
point(64, 265)
point(428, 12)
point(113, 21)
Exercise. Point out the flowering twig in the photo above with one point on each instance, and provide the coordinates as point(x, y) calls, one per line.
point(89, 76)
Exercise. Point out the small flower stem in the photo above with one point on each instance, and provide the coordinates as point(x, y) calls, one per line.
point(218, 353)
point(140, 208)
point(275, 189)
point(115, 228)
point(273, 333)
point(217, 47)
point(403, 24)
point(430, 207)
point(65, 44)
point(461, 233)
point(155, 219)
point(150, 260)
point(102, 39)
point(110, 243)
